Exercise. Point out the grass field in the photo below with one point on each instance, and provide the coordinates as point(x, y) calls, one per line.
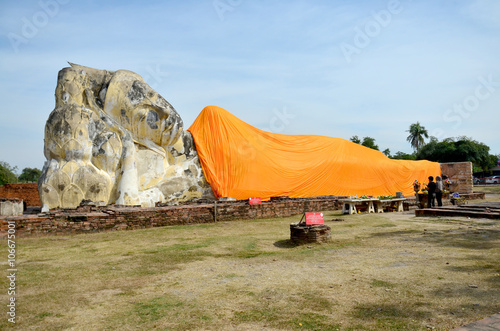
point(389, 271)
point(491, 189)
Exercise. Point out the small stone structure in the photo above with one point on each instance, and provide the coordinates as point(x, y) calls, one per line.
point(11, 207)
point(460, 175)
point(306, 234)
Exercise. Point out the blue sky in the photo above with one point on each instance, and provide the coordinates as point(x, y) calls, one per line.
point(334, 68)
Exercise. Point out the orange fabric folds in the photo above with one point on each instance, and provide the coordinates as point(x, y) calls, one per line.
point(241, 161)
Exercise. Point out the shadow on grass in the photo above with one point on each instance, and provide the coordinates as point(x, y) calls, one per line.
point(480, 301)
point(460, 238)
point(475, 293)
point(400, 233)
point(285, 244)
point(391, 316)
point(484, 263)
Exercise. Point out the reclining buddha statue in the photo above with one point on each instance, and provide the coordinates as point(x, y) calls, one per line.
point(112, 139)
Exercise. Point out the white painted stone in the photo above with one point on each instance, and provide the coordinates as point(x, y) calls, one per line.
point(11, 207)
point(111, 138)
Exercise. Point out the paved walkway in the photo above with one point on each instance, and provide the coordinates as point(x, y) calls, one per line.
point(491, 323)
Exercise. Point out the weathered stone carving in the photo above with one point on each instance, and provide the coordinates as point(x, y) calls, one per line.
point(112, 139)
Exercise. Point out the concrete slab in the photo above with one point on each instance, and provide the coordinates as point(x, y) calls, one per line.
point(458, 211)
point(491, 323)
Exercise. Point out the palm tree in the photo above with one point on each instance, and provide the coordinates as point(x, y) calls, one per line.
point(417, 135)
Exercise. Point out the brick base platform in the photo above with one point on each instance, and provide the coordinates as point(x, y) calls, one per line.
point(482, 210)
point(87, 219)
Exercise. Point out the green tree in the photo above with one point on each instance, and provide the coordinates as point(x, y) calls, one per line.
point(458, 150)
point(404, 156)
point(417, 135)
point(30, 175)
point(355, 139)
point(387, 152)
point(369, 142)
point(7, 174)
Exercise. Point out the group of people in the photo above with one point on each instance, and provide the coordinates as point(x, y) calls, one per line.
point(435, 190)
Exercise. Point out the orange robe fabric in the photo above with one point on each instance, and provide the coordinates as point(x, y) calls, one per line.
point(241, 161)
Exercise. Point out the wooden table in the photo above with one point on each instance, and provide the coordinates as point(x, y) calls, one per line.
point(399, 204)
point(349, 205)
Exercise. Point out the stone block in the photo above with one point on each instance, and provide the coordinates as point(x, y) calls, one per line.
point(11, 207)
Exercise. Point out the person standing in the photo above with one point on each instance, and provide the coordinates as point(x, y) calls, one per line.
point(439, 191)
point(431, 191)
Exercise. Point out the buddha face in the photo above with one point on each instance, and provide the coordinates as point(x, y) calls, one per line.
point(134, 105)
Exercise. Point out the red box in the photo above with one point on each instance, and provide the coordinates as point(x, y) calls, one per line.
point(254, 201)
point(314, 218)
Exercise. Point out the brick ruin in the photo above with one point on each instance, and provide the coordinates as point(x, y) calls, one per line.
point(87, 219)
point(460, 175)
point(28, 192)
point(303, 234)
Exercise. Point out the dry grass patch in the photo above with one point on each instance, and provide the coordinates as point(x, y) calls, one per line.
point(492, 192)
point(388, 271)
point(488, 189)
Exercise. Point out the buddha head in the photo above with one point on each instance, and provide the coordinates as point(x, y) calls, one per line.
point(135, 106)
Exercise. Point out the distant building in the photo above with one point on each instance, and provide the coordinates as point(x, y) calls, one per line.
point(495, 171)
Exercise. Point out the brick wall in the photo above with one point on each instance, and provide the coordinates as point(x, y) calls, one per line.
point(28, 192)
point(460, 174)
point(93, 219)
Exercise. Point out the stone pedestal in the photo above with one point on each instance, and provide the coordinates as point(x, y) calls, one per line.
point(306, 234)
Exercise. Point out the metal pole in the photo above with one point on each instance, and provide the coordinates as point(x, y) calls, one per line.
point(215, 211)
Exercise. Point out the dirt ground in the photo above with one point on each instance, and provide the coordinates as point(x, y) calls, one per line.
point(390, 271)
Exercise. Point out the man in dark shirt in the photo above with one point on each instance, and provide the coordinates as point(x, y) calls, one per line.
point(431, 192)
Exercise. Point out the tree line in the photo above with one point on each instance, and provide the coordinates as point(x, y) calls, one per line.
point(8, 174)
point(459, 149)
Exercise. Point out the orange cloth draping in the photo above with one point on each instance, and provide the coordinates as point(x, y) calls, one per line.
point(241, 161)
